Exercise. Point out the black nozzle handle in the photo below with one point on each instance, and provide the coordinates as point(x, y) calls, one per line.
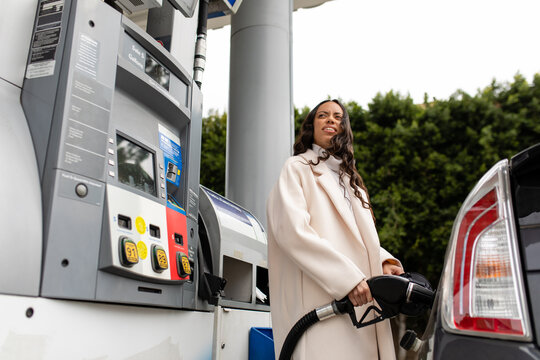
point(344, 306)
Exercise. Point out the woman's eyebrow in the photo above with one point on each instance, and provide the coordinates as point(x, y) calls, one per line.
point(328, 113)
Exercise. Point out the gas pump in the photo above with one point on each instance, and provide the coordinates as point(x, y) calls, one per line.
point(113, 116)
point(103, 255)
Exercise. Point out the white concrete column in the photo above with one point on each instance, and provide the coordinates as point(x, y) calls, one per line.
point(261, 117)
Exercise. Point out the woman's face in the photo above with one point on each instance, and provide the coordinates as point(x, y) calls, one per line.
point(327, 123)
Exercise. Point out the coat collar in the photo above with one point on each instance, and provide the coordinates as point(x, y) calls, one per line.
point(311, 155)
point(334, 191)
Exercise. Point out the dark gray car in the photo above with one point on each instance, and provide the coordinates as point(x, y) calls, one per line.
point(488, 300)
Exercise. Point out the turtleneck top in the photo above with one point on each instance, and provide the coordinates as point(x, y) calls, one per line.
point(333, 164)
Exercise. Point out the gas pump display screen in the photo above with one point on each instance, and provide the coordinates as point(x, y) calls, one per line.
point(135, 166)
point(157, 72)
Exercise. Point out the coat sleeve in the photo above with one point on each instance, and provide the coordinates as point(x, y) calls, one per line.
point(386, 256)
point(289, 223)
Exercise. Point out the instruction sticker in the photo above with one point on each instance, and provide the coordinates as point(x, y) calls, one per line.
point(46, 39)
point(87, 56)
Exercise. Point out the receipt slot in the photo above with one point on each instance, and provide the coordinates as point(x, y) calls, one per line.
point(116, 124)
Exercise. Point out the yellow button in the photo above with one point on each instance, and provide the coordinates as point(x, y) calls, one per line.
point(143, 250)
point(182, 265)
point(140, 225)
point(131, 252)
point(162, 259)
point(159, 259)
point(186, 266)
point(128, 252)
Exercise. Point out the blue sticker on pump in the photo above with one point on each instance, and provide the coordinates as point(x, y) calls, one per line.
point(173, 158)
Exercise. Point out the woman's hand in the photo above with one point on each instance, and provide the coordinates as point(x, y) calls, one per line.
point(391, 269)
point(361, 294)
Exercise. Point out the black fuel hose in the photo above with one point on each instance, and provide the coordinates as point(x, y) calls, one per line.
point(336, 307)
point(296, 332)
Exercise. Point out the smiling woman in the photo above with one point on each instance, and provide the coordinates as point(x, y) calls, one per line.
point(327, 123)
point(322, 242)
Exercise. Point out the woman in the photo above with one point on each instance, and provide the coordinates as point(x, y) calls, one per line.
point(322, 243)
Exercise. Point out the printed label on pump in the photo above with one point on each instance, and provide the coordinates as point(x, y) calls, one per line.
point(45, 40)
point(128, 252)
point(159, 258)
point(162, 259)
point(172, 152)
point(131, 252)
point(87, 56)
point(185, 265)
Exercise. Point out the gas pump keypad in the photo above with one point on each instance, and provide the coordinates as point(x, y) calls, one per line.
point(128, 251)
point(159, 259)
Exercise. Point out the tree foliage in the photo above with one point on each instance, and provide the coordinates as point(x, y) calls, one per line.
point(419, 161)
point(213, 152)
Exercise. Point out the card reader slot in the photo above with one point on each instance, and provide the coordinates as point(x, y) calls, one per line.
point(179, 239)
point(124, 221)
point(154, 231)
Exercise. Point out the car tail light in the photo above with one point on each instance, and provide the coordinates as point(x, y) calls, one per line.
point(482, 286)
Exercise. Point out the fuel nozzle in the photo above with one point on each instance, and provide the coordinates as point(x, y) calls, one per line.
point(409, 294)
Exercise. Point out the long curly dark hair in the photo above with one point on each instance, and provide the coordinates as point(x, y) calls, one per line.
point(341, 146)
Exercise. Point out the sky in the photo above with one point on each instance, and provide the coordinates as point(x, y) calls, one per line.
point(353, 49)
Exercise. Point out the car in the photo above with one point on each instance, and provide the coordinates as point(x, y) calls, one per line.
point(488, 299)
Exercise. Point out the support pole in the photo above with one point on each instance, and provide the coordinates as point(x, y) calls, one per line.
point(261, 117)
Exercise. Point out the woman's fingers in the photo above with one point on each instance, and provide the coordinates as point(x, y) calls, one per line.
point(361, 294)
point(391, 269)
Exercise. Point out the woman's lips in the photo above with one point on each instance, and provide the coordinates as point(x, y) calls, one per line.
point(329, 130)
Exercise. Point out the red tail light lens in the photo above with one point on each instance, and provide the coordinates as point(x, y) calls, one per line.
point(483, 290)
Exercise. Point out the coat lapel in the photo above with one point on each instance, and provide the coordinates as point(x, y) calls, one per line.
point(334, 191)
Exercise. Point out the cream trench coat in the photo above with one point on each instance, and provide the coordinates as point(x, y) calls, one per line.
point(319, 250)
